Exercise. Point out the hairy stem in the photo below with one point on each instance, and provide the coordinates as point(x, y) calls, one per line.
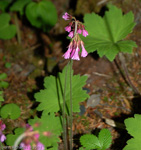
point(64, 113)
point(122, 59)
point(71, 107)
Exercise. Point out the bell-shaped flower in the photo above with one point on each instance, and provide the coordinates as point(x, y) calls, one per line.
point(40, 146)
point(84, 53)
point(66, 16)
point(79, 31)
point(2, 137)
point(76, 55)
point(25, 146)
point(68, 28)
point(68, 52)
point(71, 34)
point(84, 32)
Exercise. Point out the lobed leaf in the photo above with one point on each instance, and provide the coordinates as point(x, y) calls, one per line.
point(133, 126)
point(51, 98)
point(106, 34)
point(11, 138)
point(49, 124)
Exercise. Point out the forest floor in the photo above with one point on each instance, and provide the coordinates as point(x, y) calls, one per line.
point(111, 99)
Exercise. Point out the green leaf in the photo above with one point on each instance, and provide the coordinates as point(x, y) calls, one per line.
point(3, 76)
point(133, 126)
point(51, 98)
point(49, 124)
point(10, 110)
point(1, 96)
point(89, 141)
point(4, 4)
point(7, 65)
point(106, 34)
point(11, 138)
point(19, 6)
point(133, 144)
point(7, 31)
point(105, 139)
point(4, 84)
point(42, 14)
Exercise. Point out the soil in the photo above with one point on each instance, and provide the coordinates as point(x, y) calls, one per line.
point(40, 55)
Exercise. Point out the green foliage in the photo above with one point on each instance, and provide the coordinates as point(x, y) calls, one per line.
point(89, 141)
point(4, 4)
point(133, 126)
point(11, 138)
point(1, 97)
point(7, 31)
point(49, 124)
point(42, 14)
point(19, 6)
point(7, 65)
point(106, 34)
point(3, 76)
point(3, 84)
point(10, 110)
point(51, 98)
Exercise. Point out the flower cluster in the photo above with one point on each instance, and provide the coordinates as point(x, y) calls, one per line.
point(2, 127)
point(75, 28)
point(31, 137)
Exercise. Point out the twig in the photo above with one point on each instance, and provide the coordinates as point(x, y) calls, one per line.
point(122, 60)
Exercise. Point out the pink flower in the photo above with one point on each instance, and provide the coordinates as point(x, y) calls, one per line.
point(67, 54)
point(79, 31)
point(25, 146)
point(84, 53)
point(68, 28)
point(2, 137)
point(71, 34)
point(76, 55)
point(84, 32)
point(40, 146)
point(66, 16)
point(2, 127)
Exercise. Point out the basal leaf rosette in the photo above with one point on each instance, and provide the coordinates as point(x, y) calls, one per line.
point(51, 98)
point(106, 34)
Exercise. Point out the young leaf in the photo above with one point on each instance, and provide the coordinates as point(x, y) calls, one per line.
point(11, 138)
point(89, 141)
point(4, 84)
point(105, 138)
point(1, 97)
point(49, 128)
point(7, 31)
point(106, 34)
point(133, 126)
point(51, 98)
point(19, 6)
point(3, 76)
point(10, 110)
point(42, 14)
